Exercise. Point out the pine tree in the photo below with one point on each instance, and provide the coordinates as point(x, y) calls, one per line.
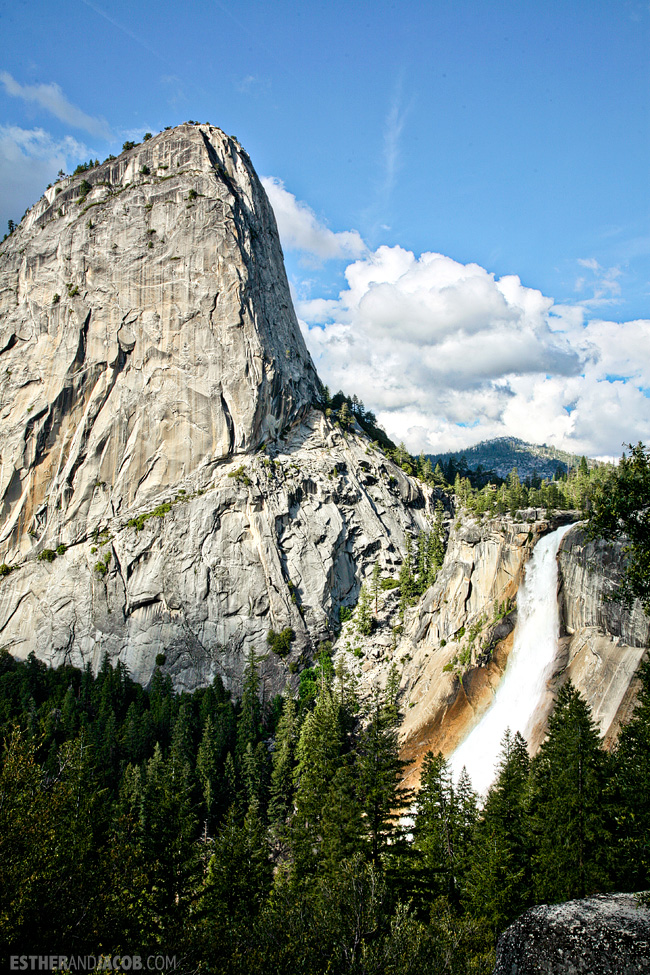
point(317, 832)
point(569, 820)
point(445, 818)
point(514, 492)
point(406, 580)
point(498, 879)
point(182, 749)
point(255, 774)
point(207, 768)
point(284, 753)
point(237, 884)
point(422, 561)
point(435, 546)
point(364, 619)
point(169, 828)
point(250, 714)
point(632, 794)
point(379, 769)
point(620, 505)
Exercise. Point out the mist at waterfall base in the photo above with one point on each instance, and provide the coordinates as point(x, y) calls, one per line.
point(527, 671)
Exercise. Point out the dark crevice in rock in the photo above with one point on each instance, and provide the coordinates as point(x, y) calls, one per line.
point(142, 603)
point(229, 424)
point(11, 341)
point(80, 356)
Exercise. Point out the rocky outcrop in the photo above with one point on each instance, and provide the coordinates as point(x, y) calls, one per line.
point(166, 484)
point(604, 935)
point(458, 638)
point(603, 640)
point(146, 330)
point(279, 539)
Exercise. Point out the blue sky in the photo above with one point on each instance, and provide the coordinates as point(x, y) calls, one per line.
point(510, 138)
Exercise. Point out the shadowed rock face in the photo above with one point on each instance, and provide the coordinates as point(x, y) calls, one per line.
point(604, 935)
point(146, 329)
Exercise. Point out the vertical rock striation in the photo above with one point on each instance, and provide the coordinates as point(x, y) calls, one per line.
point(146, 329)
point(604, 640)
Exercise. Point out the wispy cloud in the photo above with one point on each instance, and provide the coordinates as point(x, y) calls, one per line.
point(393, 128)
point(602, 281)
point(251, 85)
point(51, 98)
point(377, 214)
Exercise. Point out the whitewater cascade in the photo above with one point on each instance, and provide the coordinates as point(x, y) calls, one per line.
point(527, 671)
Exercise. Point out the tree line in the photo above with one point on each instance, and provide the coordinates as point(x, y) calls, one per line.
point(252, 837)
point(481, 492)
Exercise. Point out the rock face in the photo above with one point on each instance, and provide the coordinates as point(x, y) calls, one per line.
point(604, 935)
point(166, 483)
point(604, 641)
point(458, 638)
point(146, 330)
point(280, 538)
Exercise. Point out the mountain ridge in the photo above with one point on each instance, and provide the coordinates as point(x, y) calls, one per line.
point(501, 454)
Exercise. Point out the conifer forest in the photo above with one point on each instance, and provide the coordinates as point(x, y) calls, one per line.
point(272, 836)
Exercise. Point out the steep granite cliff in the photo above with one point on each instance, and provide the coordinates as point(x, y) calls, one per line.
point(604, 640)
point(146, 329)
point(166, 484)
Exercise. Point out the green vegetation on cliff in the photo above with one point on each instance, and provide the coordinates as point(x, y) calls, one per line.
point(621, 507)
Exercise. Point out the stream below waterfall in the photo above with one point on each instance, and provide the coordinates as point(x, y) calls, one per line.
point(527, 670)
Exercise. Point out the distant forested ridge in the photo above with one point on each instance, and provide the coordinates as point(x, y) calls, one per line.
point(258, 837)
point(503, 453)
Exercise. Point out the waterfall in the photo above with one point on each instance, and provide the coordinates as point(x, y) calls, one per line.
point(527, 671)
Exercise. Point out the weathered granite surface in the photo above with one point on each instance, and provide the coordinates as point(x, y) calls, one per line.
point(604, 640)
point(146, 329)
point(280, 538)
point(604, 935)
point(151, 364)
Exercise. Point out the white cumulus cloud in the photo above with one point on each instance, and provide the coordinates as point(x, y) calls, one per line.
point(447, 354)
point(29, 160)
point(301, 230)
